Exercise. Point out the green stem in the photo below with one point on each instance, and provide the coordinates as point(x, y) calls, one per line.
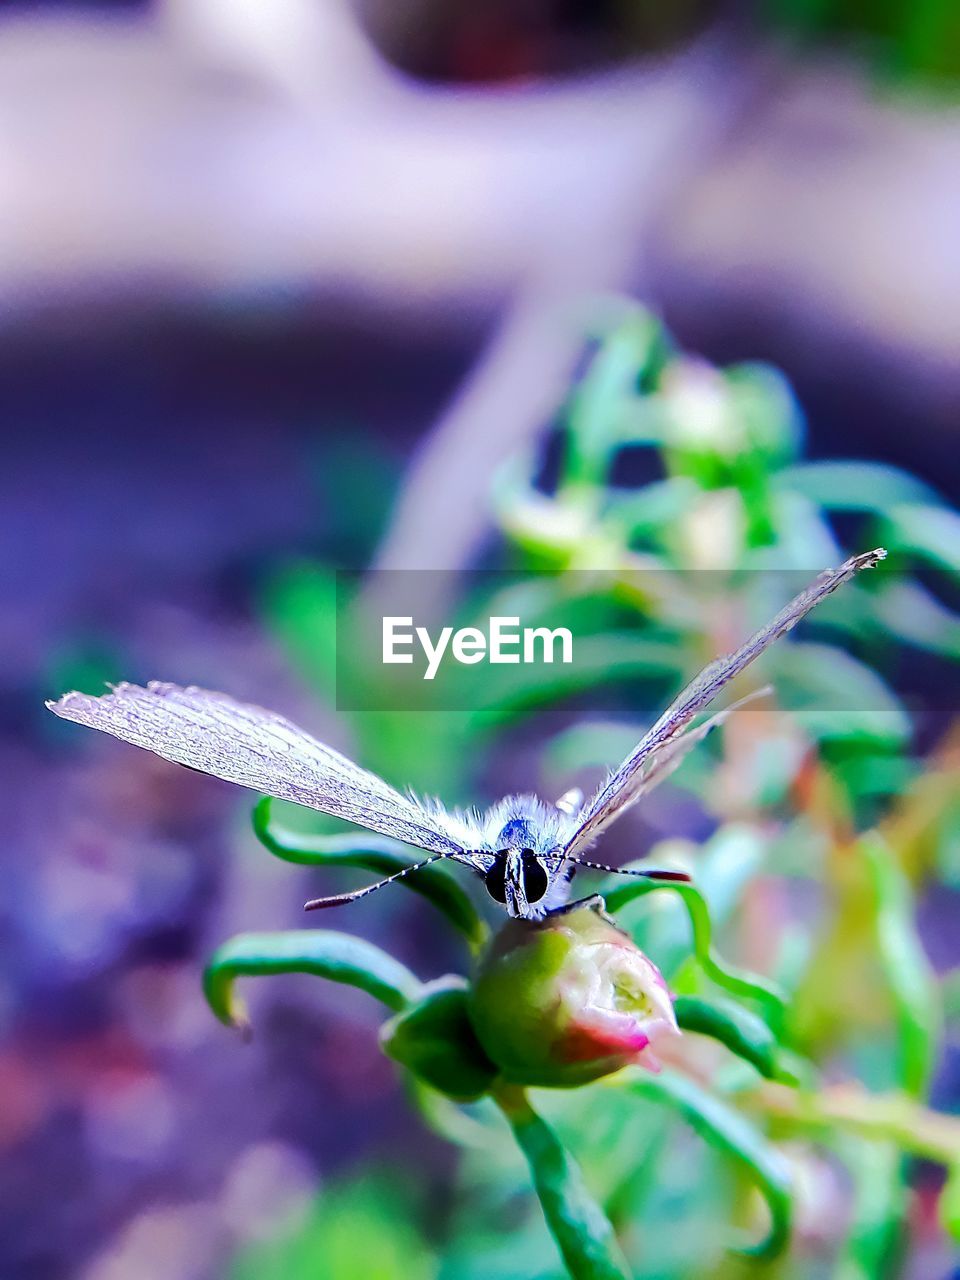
point(879, 1209)
point(579, 1226)
point(894, 1117)
point(909, 974)
point(729, 1132)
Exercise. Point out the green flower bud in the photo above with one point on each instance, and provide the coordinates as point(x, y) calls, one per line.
point(568, 999)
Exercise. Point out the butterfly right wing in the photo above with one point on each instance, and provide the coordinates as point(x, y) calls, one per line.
point(661, 747)
point(255, 748)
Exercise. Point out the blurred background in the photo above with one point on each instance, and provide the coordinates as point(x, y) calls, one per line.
point(299, 286)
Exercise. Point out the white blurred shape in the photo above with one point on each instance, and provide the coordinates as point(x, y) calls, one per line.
point(163, 1006)
point(132, 1120)
point(178, 1242)
point(284, 42)
point(270, 1185)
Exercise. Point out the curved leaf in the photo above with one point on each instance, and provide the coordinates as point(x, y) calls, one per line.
point(908, 972)
point(764, 403)
point(932, 533)
point(910, 612)
point(739, 982)
point(339, 957)
point(548, 530)
point(804, 537)
point(504, 692)
point(854, 486)
point(733, 1134)
point(374, 853)
point(880, 1200)
point(835, 696)
point(596, 405)
point(742, 1032)
point(474, 1128)
point(582, 1231)
point(662, 502)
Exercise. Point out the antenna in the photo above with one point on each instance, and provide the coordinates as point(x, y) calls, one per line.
point(627, 871)
point(338, 899)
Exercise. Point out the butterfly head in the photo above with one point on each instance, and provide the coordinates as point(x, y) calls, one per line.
point(524, 873)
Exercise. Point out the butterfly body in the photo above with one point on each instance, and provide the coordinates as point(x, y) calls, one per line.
point(526, 822)
point(525, 851)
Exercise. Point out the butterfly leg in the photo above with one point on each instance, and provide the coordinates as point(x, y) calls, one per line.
point(595, 902)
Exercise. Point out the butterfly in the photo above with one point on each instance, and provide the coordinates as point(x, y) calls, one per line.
point(525, 850)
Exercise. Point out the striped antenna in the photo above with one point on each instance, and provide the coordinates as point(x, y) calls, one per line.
point(627, 871)
point(338, 899)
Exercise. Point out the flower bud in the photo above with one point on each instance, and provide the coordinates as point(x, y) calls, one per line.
point(568, 999)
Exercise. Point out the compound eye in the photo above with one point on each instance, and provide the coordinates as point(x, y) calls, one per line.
point(535, 878)
point(496, 880)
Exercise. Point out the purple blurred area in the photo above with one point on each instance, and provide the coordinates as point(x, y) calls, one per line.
point(264, 268)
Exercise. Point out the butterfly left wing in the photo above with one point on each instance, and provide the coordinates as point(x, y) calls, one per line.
point(663, 746)
point(255, 748)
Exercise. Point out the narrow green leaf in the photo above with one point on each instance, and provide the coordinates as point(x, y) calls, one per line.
point(474, 1128)
point(374, 853)
point(299, 605)
point(854, 486)
point(909, 973)
point(505, 692)
point(764, 404)
point(932, 533)
point(549, 530)
point(742, 1032)
point(727, 864)
point(338, 957)
point(598, 401)
point(365, 1229)
point(582, 1231)
point(631, 512)
point(731, 1133)
point(950, 1202)
point(803, 536)
point(851, 1108)
point(910, 612)
point(874, 774)
point(835, 696)
point(737, 981)
point(879, 1209)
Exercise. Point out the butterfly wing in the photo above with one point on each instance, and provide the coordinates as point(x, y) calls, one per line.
point(258, 749)
point(662, 747)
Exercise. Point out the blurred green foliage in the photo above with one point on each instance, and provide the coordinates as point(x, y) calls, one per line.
point(667, 483)
point(356, 1231)
point(906, 40)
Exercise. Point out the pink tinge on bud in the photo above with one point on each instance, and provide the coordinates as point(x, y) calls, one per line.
point(624, 1010)
point(569, 999)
